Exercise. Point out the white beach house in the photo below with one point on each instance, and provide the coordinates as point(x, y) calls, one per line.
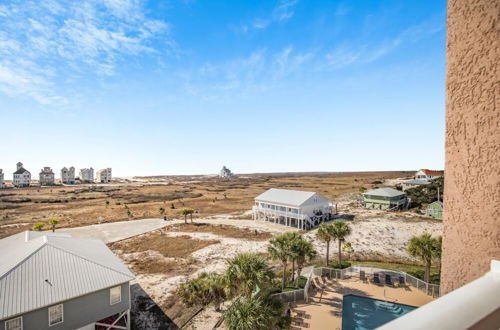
point(47, 177)
point(21, 177)
point(87, 175)
point(68, 175)
point(425, 174)
point(300, 209)
point(104, 175)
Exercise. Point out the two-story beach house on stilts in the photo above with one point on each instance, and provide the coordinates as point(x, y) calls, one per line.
point(54, 281)
point(299, 209)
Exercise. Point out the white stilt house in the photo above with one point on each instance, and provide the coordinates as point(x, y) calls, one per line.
point(293, 208)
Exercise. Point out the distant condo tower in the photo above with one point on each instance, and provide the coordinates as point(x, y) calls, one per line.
point(68, 175)
point(103, 176)
point(46, 177)
point(225, 173)
point(87, 175)
point(2, 185)
point(21, 177)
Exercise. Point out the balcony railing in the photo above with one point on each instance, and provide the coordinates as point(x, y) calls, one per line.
point(475, 305)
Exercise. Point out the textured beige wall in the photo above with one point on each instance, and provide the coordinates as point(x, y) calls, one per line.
point(471, 234)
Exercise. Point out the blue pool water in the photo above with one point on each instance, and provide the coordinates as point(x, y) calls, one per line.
point(360, 313)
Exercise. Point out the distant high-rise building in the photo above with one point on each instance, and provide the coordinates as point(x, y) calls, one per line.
point(68, 175)
point(87, 175)
point(225, 172)
point(21, 177)
point(2, 184)
point(103, 176)
point(47, 177)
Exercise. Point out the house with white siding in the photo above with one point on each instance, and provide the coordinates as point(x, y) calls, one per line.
point(21, 177)
point(408, 184)
point(103, 176)
point(55, 281)
point(225, 173)
point(87, 175)
point(68, 175)
point(425, 174)
point(293, 208)
point(47, 177)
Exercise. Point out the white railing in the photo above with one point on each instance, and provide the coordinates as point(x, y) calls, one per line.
point(475, 305)
point(296, 295)
point(427, 288)
point(282, 213)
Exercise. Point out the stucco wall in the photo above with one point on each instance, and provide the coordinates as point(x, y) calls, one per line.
point(471, 232)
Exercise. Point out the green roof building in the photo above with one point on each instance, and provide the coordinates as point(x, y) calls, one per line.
point(435, 210)
point(385, 199)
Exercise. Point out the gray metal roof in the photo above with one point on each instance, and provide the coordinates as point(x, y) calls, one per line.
point(417, 182)
point(386, 192)
point(285, 196)
point(44, 268)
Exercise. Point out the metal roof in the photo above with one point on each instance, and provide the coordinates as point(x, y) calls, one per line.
point(44, 268)
point(286, 197)
point(386, 192)
point(417, 181)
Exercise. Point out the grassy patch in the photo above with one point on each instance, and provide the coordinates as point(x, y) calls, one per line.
point(170, 247)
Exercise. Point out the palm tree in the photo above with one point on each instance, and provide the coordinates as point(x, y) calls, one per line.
point(204, 289)
point(280, 248)
point(186, 212)
point(246, 272)
point(293, 238)
point(38, 226)
point(438, 250)
point(256, 312)
point(53, 223)
point(339, 231)
point(324, 235)
point(303, 250)
point(424, 247)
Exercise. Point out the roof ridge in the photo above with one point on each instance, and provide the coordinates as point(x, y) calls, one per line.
point(26, 258)
point(87, 259)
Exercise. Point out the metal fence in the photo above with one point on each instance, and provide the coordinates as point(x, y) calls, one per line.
point(354, 271)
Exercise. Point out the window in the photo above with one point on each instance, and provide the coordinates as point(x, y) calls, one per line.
point(115, 295)
point(14, 324)
point(55, 314)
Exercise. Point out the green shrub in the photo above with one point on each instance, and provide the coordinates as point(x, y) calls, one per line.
point(335, 264)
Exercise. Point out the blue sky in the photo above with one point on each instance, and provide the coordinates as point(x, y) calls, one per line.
point(184, 87)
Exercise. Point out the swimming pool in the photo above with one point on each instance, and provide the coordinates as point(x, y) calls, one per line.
point(361, 313)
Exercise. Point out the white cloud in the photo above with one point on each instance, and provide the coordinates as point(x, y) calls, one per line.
point(282, 12)
point(43, 41)
point(260, 70)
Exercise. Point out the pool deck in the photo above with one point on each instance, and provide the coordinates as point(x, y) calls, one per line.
point(324, 309)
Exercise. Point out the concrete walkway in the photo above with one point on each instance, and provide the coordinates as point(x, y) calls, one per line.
point(115, 231)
